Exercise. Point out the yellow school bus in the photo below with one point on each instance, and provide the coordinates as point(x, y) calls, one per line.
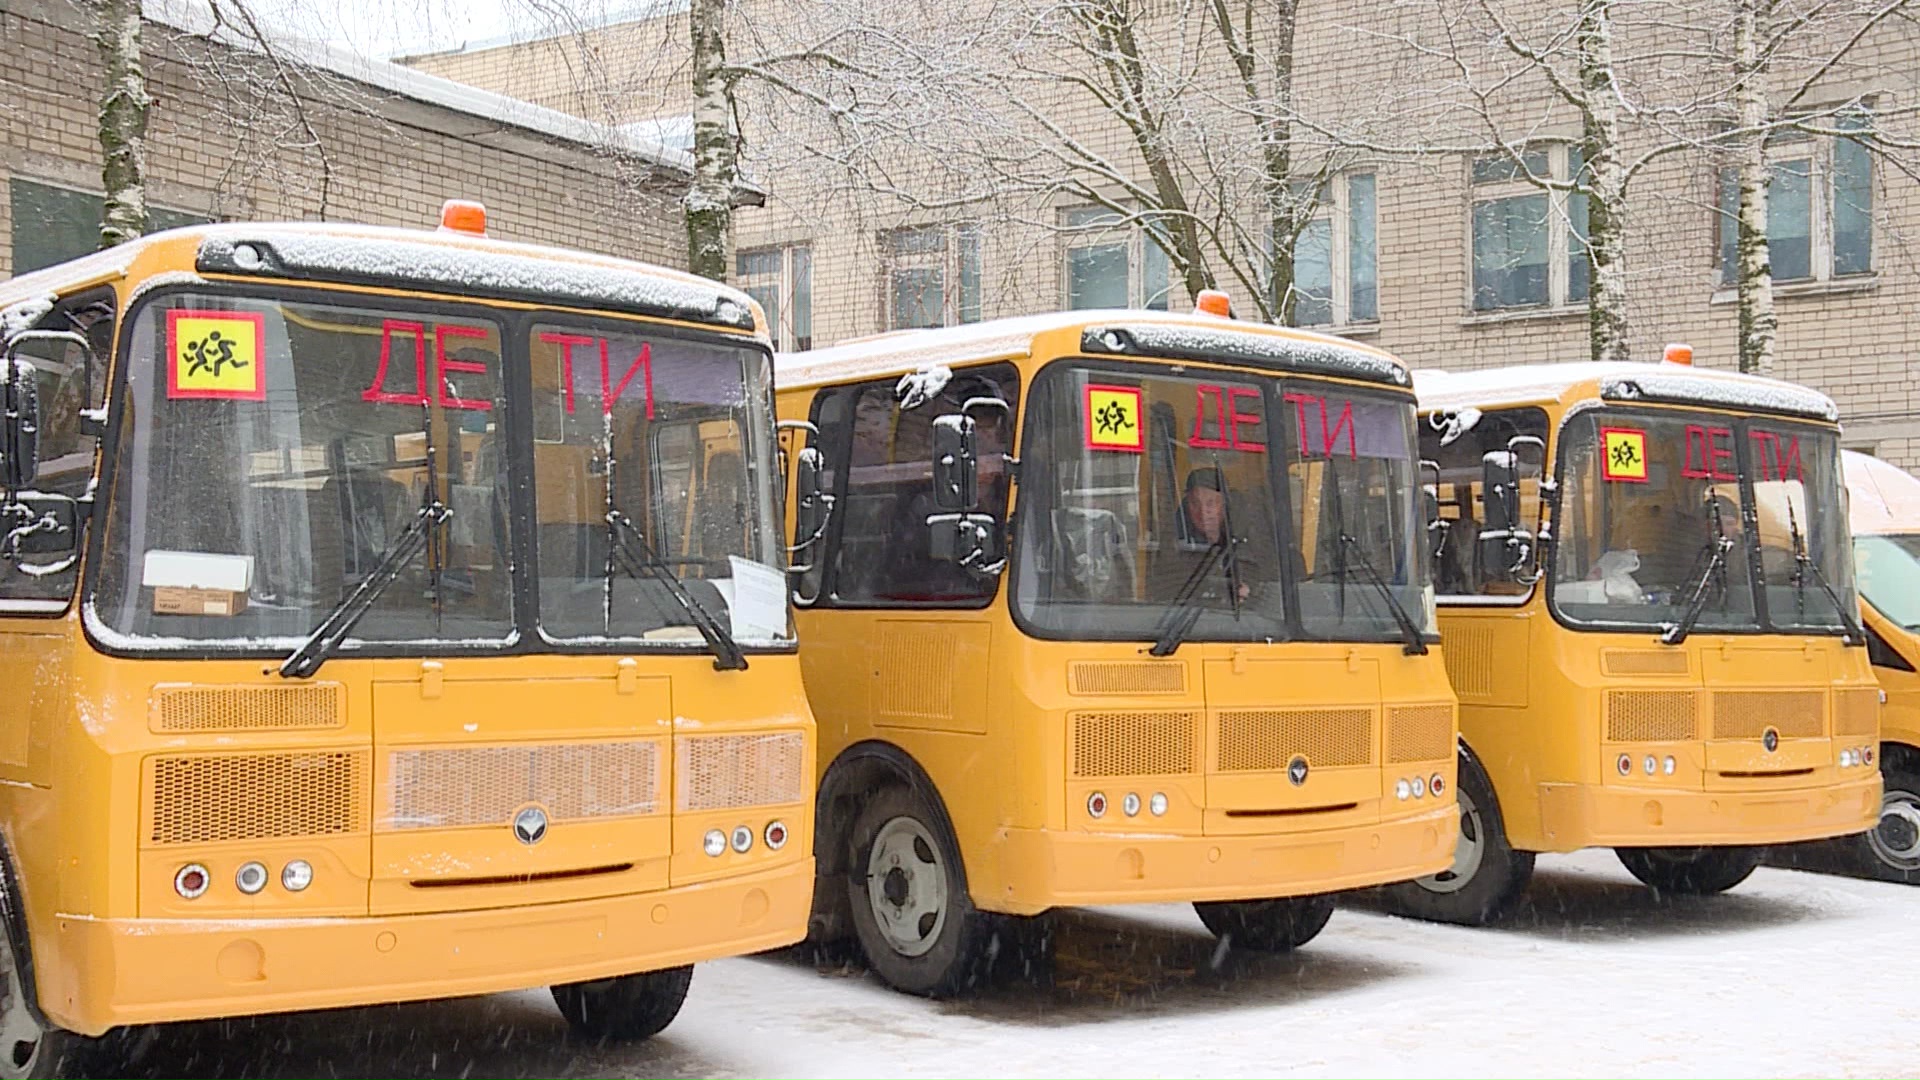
point(1106, 607)
point(1648, 607)
point(1885, 513)
point(387, 614)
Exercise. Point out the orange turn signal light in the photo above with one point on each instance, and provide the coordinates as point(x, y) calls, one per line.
point(463, 216)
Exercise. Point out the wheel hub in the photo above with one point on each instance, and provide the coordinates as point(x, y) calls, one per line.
point(20, 1034)
point(1896, 839)
point(1468, 852)
point(907, 886)
point(894, 885)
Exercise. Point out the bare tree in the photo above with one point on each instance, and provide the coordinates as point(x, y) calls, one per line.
point(716, 170)
point(124, 103)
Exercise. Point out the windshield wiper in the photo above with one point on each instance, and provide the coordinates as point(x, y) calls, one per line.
point(1184, 610)
point(1697, 603)
point(326, 637)
point(1803, 563)
point(1416, 644)
point(631, 550)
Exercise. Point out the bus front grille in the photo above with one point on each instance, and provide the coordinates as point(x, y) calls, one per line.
point(291, 707)
point(1265, 740)
point(1132, 743)
point(1747, 714)
point(720, 772)
point(1856, 713)
point(485, 785)
point(1651, 715)
point(1419, 733)
point(208, 798)
point(1128, 677)
point(1643, 662)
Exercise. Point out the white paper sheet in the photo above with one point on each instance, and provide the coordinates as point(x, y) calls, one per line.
point(758, 606)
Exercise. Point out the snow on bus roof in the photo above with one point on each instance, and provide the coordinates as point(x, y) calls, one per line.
point(904, 351)
point(1882, 497)
point(1618, 381)
point(430, 259)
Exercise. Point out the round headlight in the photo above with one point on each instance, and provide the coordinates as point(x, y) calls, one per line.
point(1157, 805)
point(1402, 790)
point(1667, 765)
point(190, 881)
point(1130, 805)
point(251, 877)
point(1650, 765)
point(742, 838)
point(1846, 759)
point(296, 875)
point(1097, 804)
point(715, 843)
point(1867, 755)
point(1419, 787)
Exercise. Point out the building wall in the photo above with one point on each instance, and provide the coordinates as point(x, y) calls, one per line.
point(1850, 338)
point(218, 147)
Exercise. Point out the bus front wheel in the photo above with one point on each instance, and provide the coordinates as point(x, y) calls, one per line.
point(1891, 850)
point(907, 888)
point(32, 1048)
point(628, 1008)
point(1267, 925)
point(1487, 877)
point(1693, 871)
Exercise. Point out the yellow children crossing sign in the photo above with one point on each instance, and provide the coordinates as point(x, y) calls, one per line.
point(1113, 419)
point(1625, 454)
point(215, 354)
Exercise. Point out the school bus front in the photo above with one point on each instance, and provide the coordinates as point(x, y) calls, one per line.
point(422, 645)
point(1203, 672)
point(1684, 682)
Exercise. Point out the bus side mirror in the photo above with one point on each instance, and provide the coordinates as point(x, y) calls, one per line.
point(972, 540)
point(955, 464)
point(39, 524)
point(1504, 546)
point(19, 426)
point(814, 505)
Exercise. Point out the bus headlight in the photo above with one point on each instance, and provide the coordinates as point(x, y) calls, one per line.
point(1438, 784)
point(1625, 764)
point(742, 838)
point(1402, 790)
point(1668, 765)
point(776, 836)
point(715, 843)
point(1130, 805)
point(251, 877)
point(296, 875)
point(190, 881)
point(1157, 805)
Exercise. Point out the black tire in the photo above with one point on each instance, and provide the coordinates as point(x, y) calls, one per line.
point(1281, 925)
point(1488, 876)
point(1891, 851)
point(905, 868)
point(627, 1008)
point(1691, 871)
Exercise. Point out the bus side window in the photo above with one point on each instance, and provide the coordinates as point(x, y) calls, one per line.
point(69, 379)
point(1458, 563)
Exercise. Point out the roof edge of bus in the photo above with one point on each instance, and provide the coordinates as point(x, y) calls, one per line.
point(1619, 382)
point(119, 261)
point(897, 352)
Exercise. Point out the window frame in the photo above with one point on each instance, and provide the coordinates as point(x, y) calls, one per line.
point(1820, 152)
point(1536, 418)
point(1125, 228)
point(1559, 226)
point(956, 239)
point(785, 282)
point(1335, 206)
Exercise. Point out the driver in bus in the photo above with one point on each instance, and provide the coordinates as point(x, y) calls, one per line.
point(1203, 509)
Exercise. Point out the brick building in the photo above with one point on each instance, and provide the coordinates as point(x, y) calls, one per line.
point(1447, 261)
point(369, 142)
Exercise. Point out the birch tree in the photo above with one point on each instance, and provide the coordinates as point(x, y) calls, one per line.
point(124, 104)
point(716, 172)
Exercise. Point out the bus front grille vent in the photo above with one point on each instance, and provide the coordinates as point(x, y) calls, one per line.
point(721, 772)
point(1265, 740)
point(1419, 733)
point(1124, 677)
point(485, 785)
point(209, 798)
point(1651, 715)
point(1643, 662)
point(1133, 743)
point(1747, 714)
point(290, 707)
point(1856, 713)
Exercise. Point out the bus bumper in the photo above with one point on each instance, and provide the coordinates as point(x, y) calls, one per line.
point(104, 973)
point(1046, 868)
point(1575, 816)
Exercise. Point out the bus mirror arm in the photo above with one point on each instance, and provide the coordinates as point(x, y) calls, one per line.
point(972, 540)
point(813, 508)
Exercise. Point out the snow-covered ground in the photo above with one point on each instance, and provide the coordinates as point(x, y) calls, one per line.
point(1791, 974)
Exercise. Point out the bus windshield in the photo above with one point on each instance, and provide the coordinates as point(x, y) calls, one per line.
point(1889, 573)
point(1665, 512)
point(273, 451)
point(1265, 509)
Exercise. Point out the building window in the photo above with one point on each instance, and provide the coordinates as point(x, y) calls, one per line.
point(1529, 243)
point(1336, 278)
point(933, 276)
point(1819, 206)
point(780, 280)
point(53, 224)
point(1113, 262)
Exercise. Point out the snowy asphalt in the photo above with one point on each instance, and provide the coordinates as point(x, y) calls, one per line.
point(1790, 974)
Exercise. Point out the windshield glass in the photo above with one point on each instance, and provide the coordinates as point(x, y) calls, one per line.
point(1647, 497)
point(1889, 575)
point(272, 452)
point(1136, 476)
point(662, 430)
